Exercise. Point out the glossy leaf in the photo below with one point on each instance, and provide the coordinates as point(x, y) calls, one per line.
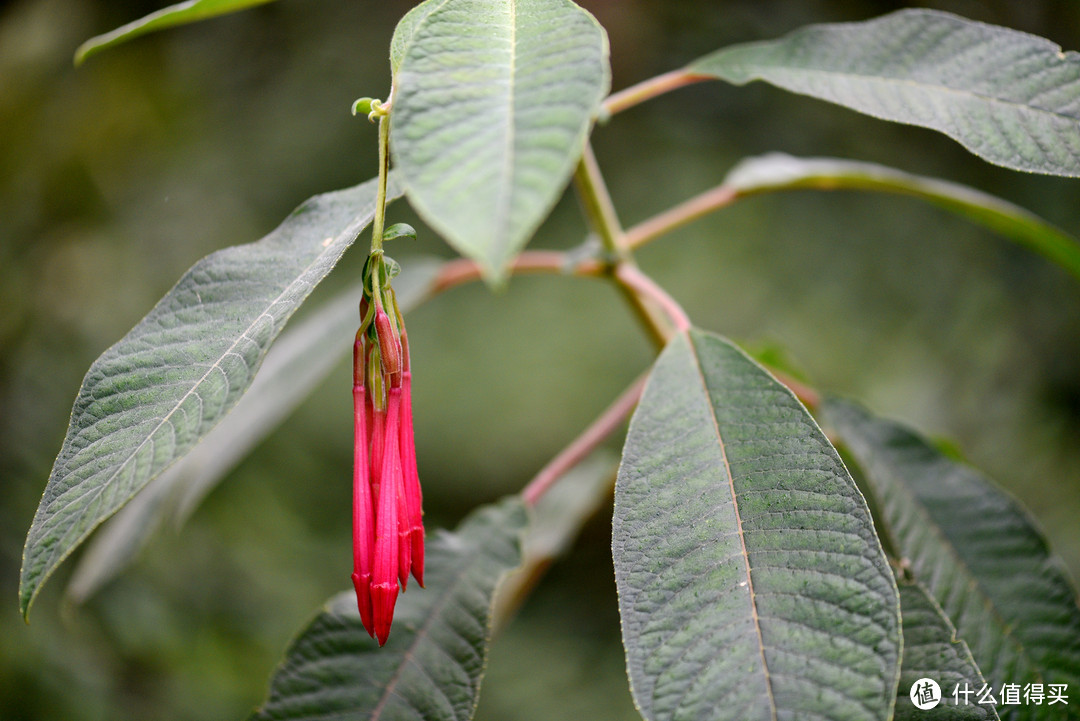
point(931, 650)
point(151, 397)
point(493, 100)
point(751, 581)
point(976, 550)
point(301, 359)
point(432, 665)
point(1011, 98)
point(777, 171)
point(179, 14)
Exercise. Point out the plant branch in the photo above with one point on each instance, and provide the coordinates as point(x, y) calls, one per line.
point(585, 443)
point(719, 197)
point(550, 262)
point(596, 201)
point(649, 89)
point(631, 277)
point(379, 220)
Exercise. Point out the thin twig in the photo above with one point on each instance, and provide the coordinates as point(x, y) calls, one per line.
point(599, 210)
point(692, 209)
point(649, 89)
point(585, 443)
point(629, 275)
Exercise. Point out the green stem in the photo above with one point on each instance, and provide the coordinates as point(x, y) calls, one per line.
point(379, 220)
point(596, 201)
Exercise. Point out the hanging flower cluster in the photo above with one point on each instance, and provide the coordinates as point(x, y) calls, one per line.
point(388, 529)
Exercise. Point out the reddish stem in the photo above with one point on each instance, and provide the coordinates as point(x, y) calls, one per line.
point(649, 89)
point(585, 443)
point(629, 275)
point(692, 209)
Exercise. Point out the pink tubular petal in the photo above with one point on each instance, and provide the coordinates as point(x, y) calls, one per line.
point(378, 445)
point(362, 584)
point(384, 586)
point(404, 544)
point(411, 481)
point(363, 515)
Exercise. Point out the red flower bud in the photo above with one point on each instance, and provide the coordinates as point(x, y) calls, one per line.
point(388, 530)
point(384, 578)
point(389, 345)
point(414, 514)
point(363, 529)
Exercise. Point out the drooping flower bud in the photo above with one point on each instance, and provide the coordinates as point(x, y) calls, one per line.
point(389, 345)
point(388, 531)
point(384, 578)
point(414, 518)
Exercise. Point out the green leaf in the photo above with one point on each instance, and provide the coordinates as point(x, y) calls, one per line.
point(431, 666)
point(150, 398)
point(931, 650)
point(179, 14)
point(493, 100)
point(777, 171)
point(976, 550)
point(406, 29)
point(1011, 98)
point(301, 359)
point(751, 582)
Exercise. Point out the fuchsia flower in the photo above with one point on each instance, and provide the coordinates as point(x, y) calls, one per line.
point(388, 528)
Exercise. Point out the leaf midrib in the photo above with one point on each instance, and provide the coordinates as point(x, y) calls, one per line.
point(51, 560)
point(973, 583)
point(422, 633)
point(739, 525)
point(505, 198)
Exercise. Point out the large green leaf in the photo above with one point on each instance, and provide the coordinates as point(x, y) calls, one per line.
point(1011, 98)
point(777, 171)
point(300, 359)
point(931, 650)
point(493, 100)
point(179, 14)
point(977, 552)
point(431, 666)
point(150, 398)
point(751, 582)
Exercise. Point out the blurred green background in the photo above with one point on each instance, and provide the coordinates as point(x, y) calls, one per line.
point(115, 177)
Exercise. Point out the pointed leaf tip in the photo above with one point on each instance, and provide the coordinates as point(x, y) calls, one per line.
point(180, 14)
point(493, 101)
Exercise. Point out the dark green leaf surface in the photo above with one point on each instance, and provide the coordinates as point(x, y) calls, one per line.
point(777, 171)
point(300, 359)
point(431, 667)
point(150, 398)
point(751, 582)
point(976, 551)
point(493, 100)
point(1011, 98)
point(179, 14)
point(931, 650)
